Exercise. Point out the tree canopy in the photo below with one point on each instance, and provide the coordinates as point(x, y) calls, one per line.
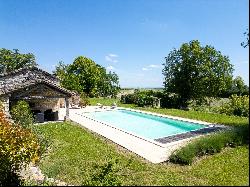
point(194, 72)
point(246, 43)
point(84, 75)
point(237, 87)
point(12, 60)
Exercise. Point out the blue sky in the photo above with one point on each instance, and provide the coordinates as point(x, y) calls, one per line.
point(130, 37)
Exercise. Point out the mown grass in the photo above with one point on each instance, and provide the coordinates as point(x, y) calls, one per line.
point(74, 152)
point(203, 116)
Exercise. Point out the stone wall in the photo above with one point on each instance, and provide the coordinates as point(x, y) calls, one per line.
point(46, 104)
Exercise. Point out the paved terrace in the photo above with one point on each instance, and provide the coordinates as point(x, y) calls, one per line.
point(155, 151)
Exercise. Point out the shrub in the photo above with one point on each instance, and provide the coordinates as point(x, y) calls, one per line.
point(144, 99)
point(141, 98)
point(129, 99)
point(19, 146)
point(170, 100)
point(83, 100)
point(105, 175)
point(237, 105)
point(184, 156)
point(75, 99)
point(22, 115)
point(211, 144)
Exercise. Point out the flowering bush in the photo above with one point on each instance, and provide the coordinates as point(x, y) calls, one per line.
point(18, 146)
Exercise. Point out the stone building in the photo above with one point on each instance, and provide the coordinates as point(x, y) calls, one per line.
point(39, 88)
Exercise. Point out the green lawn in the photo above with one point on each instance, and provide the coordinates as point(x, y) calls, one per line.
point(74, 152)
point(76, 155)
point(109, 102)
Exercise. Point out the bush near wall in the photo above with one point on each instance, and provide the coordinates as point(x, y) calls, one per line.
point(21, 114)
point(18, 147)
point(237, 105)
point(84, 101)
point(146, 98)
point(211, 144)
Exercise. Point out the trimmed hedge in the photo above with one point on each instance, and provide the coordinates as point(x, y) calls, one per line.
point(211, 144)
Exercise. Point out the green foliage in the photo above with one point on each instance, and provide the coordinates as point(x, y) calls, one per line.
point(84, 75)
point(105, 175)
point(22, 114)
point(194, 72)
point(211, 144)
point(12, 60)
point(108, 84)
point(246, 43)
point(18, 147)
point(237, 105)
point(208, 104)
point(147, 98)
point(84, 101)
point(238, 87)
point(140, 98)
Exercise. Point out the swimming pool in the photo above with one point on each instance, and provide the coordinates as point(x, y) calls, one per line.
point(144, 125)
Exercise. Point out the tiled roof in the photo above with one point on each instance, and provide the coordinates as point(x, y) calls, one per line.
point(25, 77)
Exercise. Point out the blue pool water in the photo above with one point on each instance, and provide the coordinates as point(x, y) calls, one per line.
point(145, 125)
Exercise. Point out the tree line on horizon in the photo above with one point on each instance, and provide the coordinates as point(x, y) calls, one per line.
point(191, 71)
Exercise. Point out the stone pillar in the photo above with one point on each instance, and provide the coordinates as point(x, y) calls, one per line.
point(156, 102)
point(158, 105)
point(6, 105)
point(67, 108)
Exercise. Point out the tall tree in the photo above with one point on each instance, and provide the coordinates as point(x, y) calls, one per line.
point(12, 60)
point(84, 75)
point(194, 72)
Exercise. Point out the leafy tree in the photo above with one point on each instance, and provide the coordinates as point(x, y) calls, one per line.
point(109, 84)
point(246, 43)
point(84, 75)
point(12, 60)
point(194, 72)
point(239, 84)
point(237, 87)
point(113, 81)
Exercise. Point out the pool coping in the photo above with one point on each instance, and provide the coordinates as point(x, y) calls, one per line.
point(153, 151)
point(163, 141)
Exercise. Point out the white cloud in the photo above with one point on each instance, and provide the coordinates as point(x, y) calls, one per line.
point(111, 58)
point(110, 68)
point(113, 55)
point(151, 67)
point(155, 66)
